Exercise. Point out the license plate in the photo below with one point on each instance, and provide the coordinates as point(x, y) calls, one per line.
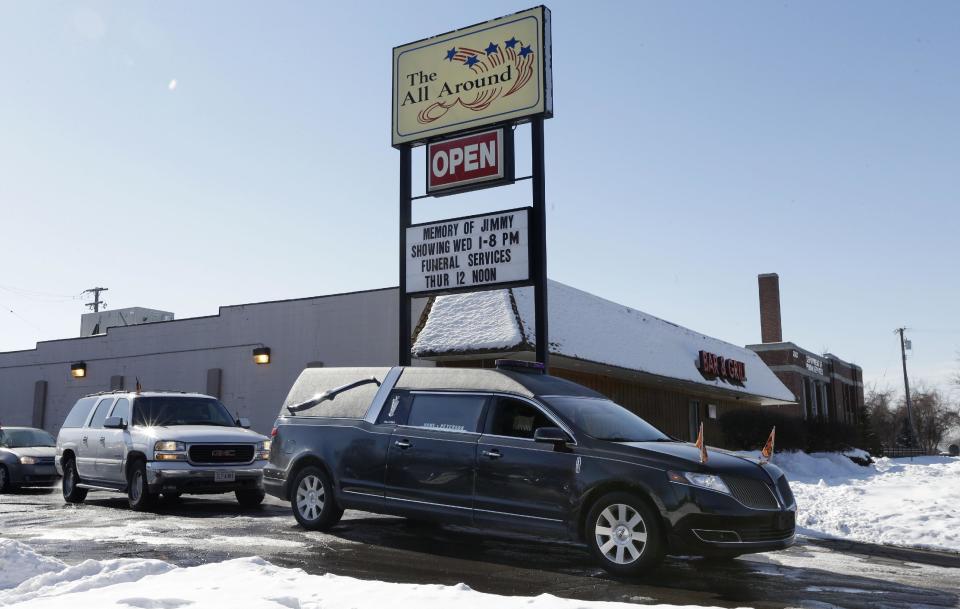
point(224, 476)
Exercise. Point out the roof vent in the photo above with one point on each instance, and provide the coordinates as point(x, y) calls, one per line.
point(519, 365)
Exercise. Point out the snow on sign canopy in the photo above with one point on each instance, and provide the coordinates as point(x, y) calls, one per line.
point(588, 328)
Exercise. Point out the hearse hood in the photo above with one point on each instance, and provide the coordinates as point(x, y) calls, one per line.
point(686, 456)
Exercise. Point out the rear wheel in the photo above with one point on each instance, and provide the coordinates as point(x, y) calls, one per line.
point(249, 498)
point(138, 493)
point(624, 534)
point(312, 500)
point(71, 492)
point(5, 480)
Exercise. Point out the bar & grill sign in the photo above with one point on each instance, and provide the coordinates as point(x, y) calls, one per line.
point(469, 253)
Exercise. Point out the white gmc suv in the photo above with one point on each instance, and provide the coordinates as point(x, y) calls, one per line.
point(152, 442)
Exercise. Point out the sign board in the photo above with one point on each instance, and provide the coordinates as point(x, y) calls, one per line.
point(814, 365)
point(469, 162)
point(722, 367)
point(493, 72)
point(470, 253)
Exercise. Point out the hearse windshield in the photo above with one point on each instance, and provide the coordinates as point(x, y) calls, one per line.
point(606, 420)
point(167, 411)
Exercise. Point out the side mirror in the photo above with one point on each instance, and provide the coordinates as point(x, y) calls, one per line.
point(244, 422)
point(551, 435)
point(114, 423)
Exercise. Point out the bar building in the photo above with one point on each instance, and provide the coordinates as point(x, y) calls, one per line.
point(828, 388)
point(673, 377)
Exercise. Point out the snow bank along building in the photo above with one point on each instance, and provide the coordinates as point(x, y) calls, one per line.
point(671, 376)
point(828, 389)
point(249, 355)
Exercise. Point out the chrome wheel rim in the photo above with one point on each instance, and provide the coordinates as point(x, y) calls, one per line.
point(136, 489)
point(310, 497)
point(621, 534)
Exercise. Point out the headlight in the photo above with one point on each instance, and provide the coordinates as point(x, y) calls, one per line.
point(169, 445)
point(263, 450)
point(714, 483)
point(27, 461)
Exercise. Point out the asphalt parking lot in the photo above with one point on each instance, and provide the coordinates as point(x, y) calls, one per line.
point(198, 530)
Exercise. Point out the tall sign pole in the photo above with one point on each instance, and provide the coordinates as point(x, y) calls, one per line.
point(406, 197)
point(540, 242)
point(462, 94)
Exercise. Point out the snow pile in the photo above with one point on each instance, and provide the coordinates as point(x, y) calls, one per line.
point(585, 327)
point(19, 562)
point(903, 502)
point(482, 320)
point(253, 583)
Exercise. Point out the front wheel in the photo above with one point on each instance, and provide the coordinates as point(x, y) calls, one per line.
point(624, 534)
point(138, 493)
point(72, 493)
point(312, 500)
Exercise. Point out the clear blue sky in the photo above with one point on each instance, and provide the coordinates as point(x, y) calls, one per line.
point(695, 144)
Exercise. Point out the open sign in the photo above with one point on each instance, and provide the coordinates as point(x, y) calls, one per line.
point(468, 162)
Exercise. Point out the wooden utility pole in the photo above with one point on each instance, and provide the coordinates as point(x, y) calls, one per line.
point(97, 303)
point(906, 388)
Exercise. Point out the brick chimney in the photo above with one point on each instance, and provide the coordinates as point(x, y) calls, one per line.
point(770, 329)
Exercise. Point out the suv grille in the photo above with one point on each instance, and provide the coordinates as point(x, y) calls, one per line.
point(221, 453)
point(752, 493)
point(784, 487)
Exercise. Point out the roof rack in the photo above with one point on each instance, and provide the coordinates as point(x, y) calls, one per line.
point(520, 365)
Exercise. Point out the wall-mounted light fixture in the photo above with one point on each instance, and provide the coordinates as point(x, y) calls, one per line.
point(261, 355)
point(78, 370)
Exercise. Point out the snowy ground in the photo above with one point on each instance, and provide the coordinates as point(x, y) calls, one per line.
point(902, 502)
point(33, 580)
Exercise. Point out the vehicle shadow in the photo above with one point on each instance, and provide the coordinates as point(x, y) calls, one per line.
point(522, 565)
point(199, 507)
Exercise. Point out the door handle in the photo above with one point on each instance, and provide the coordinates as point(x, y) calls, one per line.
point(492, 454)
point(404, 444)
point(103, 440)
point(84, 439)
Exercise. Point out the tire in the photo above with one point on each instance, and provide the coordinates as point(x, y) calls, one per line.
point(250, 498)
point(312, 500)
point(624, 534)
point(138, 493)
point(5, 484)
point(71, 492)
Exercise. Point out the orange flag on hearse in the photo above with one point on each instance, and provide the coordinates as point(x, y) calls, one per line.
point(701, 445)
point(767, 452)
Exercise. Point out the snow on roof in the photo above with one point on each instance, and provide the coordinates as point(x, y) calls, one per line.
point(589, 328)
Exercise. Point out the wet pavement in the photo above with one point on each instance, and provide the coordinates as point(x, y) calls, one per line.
point(196, 530)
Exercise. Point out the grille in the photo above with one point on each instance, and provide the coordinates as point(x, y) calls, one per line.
point(752, 493)
point(765, 534)
point(784, 487)
point(221, 453)
point(44, 460)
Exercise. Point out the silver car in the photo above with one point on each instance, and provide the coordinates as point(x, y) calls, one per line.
point(26, 458)
point(148, 443)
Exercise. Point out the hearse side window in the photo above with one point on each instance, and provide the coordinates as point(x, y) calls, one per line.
point(395, 411)
point(515, 418)
point(447, 412)
point(78, 415)
point(101, 412)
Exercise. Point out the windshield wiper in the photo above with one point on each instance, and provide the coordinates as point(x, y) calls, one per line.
point(329, 394)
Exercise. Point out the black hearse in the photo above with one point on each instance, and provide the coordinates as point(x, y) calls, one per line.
point(515, 449)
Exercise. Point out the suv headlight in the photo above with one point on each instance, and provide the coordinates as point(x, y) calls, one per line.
point(27, 460)
point(263, 450)
point(170, 450)
point(708, 481)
